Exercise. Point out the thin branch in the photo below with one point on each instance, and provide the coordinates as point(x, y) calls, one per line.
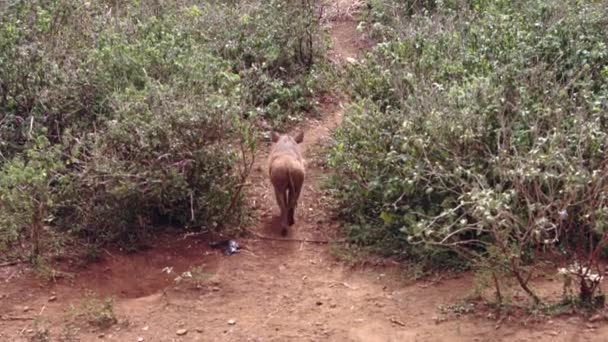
point(12, 263)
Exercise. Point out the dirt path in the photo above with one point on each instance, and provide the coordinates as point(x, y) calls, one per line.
point(272, 290)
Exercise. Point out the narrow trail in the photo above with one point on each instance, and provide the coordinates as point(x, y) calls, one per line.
point(272, 290)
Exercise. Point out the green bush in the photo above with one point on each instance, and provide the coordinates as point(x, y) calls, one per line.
point(481, 129)
point(28, 195)
point(150, 108)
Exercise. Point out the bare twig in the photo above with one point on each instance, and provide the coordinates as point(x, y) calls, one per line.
point(10, 277)
point(108, 253)
point(191, 207)
point(11, 263)
point(396, 321)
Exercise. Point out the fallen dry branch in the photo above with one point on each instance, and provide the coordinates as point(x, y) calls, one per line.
point(396, 321)
point(11, 263)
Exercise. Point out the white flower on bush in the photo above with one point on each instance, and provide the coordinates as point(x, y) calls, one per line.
point(594, 277)
point(580, 271)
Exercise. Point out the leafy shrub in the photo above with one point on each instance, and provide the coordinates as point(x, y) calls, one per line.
point(161, 158)
point(150, 108)
point(482, 130)
point(27, 194)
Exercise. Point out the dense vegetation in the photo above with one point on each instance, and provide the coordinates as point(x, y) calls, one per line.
point(117, 115)
point(480, 130)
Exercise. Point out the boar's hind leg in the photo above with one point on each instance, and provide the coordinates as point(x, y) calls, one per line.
point(294, 195)
point(291, 210)
point(282, 201)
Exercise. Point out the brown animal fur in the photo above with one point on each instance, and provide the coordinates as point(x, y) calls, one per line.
point(286, 170)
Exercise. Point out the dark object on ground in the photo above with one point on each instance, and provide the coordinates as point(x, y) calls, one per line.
point(229, 247)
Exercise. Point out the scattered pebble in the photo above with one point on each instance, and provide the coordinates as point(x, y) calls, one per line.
point(319, 303)
point(52, 298)
point(101, 335)
point(553, 333)
point(182, 332)
point(145, 328)
point(231, 322)
point(215, 289)
point(140, 339)
point(26, 308)
point(199, 330)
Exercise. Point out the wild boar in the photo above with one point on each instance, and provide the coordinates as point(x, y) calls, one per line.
point(286, 170)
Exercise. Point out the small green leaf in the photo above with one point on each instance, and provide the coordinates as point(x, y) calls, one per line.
point(387, 218)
